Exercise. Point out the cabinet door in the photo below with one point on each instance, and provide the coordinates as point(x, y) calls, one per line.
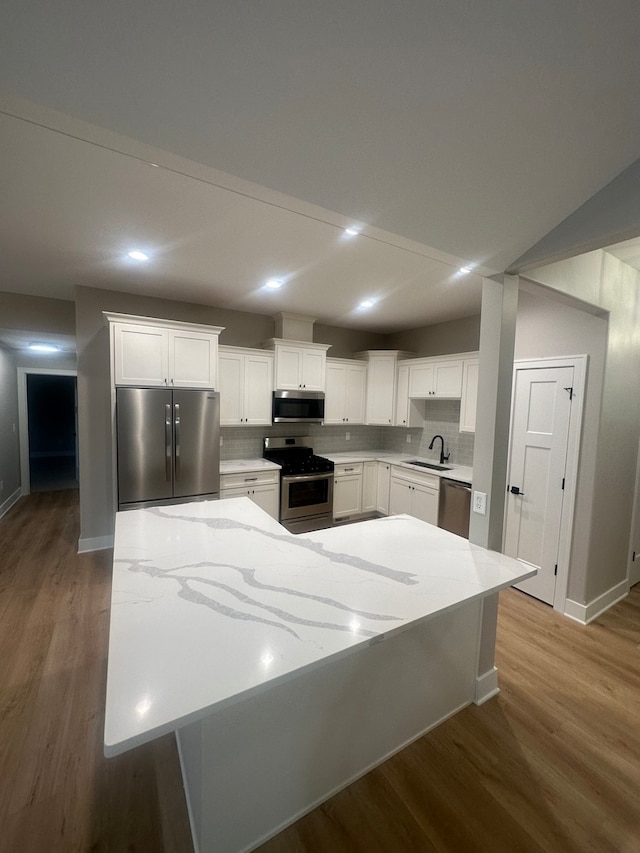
point(193, 359)
point(447, 380)
point(268, 498)
point(258, 387)
point(421, 380)
point(382, 488)
point(347, 495)
point(400, 497)
point(469, 399)
point(355, 393)
point(288, 368)
point(402, 397)
point(381, 374)
point(424, 503)
point(335, 394)
point(140, 355)
point(313, 369)
point(369, 484)
point(231, 371)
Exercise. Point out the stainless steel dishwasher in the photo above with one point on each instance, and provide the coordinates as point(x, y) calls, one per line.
point(454, 506)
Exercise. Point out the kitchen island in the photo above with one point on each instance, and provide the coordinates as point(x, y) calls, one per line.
point(289, 665)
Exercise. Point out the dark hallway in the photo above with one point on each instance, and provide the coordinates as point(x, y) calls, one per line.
point(51, 403)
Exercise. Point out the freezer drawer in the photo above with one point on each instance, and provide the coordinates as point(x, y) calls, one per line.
point(454, 507)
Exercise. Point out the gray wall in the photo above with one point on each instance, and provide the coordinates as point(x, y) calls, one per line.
point(9, 437)
point(610, 465)
point(37, 314)
point(439, 339)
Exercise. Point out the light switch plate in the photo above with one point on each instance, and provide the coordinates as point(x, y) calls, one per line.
point(480, 503)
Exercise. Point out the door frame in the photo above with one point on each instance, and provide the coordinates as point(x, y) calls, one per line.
point(579, 364)
point(23, 420)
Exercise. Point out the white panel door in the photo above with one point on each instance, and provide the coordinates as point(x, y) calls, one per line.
point(334, 400)
point(539, 437)
point(355, 393)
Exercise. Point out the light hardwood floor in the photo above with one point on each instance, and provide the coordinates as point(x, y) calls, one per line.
point(552, 764)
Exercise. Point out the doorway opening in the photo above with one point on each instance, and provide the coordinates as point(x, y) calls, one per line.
point(47, 401)
point(51, 411)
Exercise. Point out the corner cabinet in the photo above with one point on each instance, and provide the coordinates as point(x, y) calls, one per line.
point(246, 383)
point(298, 364)
point(345, 391)
point(153, 352)
point(381, 385)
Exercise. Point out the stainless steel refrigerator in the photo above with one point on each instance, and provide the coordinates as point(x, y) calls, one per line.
point(168, 446)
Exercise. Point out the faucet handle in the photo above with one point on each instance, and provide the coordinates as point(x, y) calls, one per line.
point(446, 458)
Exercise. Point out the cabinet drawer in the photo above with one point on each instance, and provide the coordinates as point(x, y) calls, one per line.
point(248, 478)
point(429, 481)
point(343, 469)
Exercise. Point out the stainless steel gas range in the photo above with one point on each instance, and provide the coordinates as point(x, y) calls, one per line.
point(306, 483)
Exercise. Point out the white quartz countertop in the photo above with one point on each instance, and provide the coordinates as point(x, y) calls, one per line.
point(241, 466)
point(214, 602)
point(462, 473)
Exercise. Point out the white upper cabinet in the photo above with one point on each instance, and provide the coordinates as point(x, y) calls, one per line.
point(433, 378)
point(153, 352)
point(345, 391)
point(299, 365)
point(408, 412)
point(469, 399)
point(381, 386)
point(246, 383)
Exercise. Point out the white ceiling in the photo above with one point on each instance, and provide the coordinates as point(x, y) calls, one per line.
point(451, 132)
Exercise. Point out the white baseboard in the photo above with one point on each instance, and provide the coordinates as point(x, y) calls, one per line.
point(486, 686)
point(586, 613)
point(5, 506)
point(98, 543)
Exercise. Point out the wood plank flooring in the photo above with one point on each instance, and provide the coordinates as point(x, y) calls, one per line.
point(552, 764)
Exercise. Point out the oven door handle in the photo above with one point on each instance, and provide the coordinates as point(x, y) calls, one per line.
point(298, 478)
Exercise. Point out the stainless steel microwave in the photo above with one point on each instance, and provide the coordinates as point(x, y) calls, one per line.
point(298, 407)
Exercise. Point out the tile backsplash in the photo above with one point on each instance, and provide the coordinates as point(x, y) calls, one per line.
point(442, 417)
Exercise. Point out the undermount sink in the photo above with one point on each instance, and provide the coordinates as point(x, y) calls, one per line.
point(431, 465)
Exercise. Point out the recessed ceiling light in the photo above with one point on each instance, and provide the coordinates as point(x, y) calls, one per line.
point(351, 232)
point(274, 283)
point(367, 303)
point(464, 270)
point(44, 348)
point(138, 256)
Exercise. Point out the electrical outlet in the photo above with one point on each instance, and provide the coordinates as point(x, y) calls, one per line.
point(348, 436)
point(408, 438)
point(480, 503)
point(221, 441)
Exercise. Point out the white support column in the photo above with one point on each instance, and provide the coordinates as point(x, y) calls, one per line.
point(497, 338)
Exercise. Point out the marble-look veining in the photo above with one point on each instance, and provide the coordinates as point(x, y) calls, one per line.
point(214, 602)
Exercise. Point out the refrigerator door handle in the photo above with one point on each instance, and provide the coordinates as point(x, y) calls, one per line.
point(167, 442)
point(176, 422)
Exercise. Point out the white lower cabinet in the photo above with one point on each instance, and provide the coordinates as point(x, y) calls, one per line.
point(382, 488)
point(262, 487)
point(414, 494)
point(369, 486)
point(347, 489)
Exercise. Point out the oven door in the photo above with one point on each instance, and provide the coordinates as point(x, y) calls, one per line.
point(303, 495)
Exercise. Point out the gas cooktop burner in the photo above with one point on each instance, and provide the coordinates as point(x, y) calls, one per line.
point(295, 456)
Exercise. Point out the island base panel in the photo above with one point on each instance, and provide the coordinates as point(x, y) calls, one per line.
point(256, 766)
